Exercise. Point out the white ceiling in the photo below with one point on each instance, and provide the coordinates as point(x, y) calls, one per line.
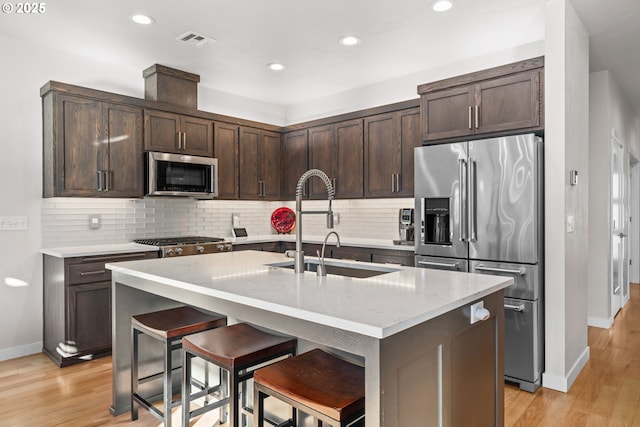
point(400, 37)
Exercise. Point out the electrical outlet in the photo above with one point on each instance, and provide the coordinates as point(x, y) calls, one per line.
point(571, 223)
point(235, 219)
point(478, 312)
point(14, 223)
point(336, 218)
point(94, 221)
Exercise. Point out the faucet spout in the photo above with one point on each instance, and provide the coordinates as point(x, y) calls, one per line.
point(298, 260)
point(322, 270)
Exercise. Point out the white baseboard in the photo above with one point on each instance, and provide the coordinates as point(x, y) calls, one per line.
point(23, 350)
point(599, 322)
point(563, 384)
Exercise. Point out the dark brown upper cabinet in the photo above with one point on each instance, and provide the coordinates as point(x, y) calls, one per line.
point(226, 151)
point(337, 149)
point(91, 148)
point(388, 162)
point(259, 164)
point(497, 101)
point(295, 162)
point(176, 133)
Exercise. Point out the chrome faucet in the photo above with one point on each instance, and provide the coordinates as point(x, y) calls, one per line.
point(322, 270)
point(298, 260)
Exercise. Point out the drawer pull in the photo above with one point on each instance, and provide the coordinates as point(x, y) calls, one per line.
point(114, 257)
point(519, 272)
point(89, 273)
point(440, 264)
point(519, 308)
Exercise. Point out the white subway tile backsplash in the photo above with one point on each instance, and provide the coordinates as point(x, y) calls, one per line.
point(65, 221)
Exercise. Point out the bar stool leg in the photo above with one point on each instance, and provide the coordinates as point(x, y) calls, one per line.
point(168, 384)
point(186, 387)
point(224, 378)
point(134, 372)
point(233, 403)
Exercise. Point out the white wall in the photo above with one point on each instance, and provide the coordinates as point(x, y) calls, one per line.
point(566, 136)
point(26, 68)
point(608, 111)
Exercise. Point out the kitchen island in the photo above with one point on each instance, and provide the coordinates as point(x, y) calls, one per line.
point(425, 363)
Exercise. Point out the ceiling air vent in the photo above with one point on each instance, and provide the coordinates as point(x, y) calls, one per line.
point(192, 37)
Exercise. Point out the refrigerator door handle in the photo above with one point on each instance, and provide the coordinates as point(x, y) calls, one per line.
point(518, 272)
point(519, 308)
point(473, 220)
point(462, 222)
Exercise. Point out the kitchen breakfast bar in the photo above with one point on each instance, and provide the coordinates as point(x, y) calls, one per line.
point(432, 355)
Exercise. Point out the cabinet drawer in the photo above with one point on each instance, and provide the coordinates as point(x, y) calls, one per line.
point(87, 273)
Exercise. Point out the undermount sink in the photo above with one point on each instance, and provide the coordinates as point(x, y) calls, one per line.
point(340, 268)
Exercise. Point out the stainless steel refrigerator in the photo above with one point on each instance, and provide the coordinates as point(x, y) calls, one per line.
point(479, 209)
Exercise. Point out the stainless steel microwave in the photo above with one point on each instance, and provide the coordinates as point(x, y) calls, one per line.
point(181, 175)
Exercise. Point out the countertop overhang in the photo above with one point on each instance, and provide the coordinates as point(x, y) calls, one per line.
point(378, 307)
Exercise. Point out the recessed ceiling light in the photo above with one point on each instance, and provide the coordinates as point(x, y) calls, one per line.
point(349, 41)
point(276, 66)
point(442, 5)
point(143, 19)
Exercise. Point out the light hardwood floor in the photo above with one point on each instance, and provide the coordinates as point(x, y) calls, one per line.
point(34, 392)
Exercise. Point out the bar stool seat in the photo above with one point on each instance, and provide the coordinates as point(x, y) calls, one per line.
point(236, 348)
point(169, 327)
point(319, 384)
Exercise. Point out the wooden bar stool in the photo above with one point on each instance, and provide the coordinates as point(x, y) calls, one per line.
point(237, 349)
point(169, 327)
point(317, 383)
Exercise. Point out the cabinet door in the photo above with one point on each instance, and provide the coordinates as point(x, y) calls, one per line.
point(77, 137)
point(226, 151)
point(323, 156)
point(197, 136)
point(409, 139)
point(448, 113)
point(382, 155)
point(270, 155)
point(352, 253)
point(510, 102)
point(295, 162)
point(124, 167)
point(89, 316)
point(249, 141)
point(161, 131)
point(349, 174)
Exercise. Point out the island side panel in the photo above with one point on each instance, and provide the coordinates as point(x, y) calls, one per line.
point(445, 370)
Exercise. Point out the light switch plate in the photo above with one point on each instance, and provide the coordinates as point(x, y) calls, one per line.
point(235, 220)
point(571, 223)
point(14, 223)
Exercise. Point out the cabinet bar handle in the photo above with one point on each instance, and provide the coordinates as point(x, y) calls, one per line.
point(179, 137)
point(398, 182)
point(470, 124)
point(393, 182)
point(89, 273)
point(477, 115)
point(519, 272)
point(184, 140)
point(519, 308)
point(106, 180)
point(333, 182)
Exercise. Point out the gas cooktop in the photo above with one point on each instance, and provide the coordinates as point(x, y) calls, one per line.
point(187, 245)
point(176, 241)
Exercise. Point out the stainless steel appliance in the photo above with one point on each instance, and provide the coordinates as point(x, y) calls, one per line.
point(405, 227)
point(189, 245)
point(181, 175)
point(479, 208)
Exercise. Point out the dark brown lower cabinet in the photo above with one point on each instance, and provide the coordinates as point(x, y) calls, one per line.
point(77, 306)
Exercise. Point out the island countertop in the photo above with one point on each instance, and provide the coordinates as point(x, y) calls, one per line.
point(377, 307)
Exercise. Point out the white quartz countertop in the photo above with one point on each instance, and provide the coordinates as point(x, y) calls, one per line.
point(379, 306)
point(90, 250)
point(345, 241)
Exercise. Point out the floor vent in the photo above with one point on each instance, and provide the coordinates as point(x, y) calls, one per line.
point(195, 38)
